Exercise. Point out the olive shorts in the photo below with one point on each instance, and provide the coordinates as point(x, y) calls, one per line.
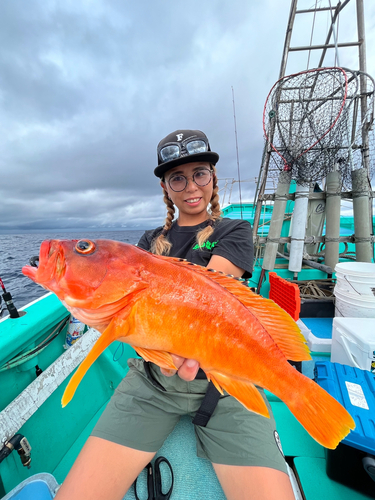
point(141, 416)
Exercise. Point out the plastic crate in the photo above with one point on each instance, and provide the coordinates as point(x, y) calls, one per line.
point(285, 294)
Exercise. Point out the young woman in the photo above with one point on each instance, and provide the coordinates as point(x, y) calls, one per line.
point(149, 401)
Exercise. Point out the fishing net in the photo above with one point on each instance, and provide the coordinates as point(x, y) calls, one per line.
point(305, 122)
point(359, 142)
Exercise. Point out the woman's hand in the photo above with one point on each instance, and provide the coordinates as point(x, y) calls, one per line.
point(187, 368)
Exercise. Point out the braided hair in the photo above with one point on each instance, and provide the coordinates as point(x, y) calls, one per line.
point(162, 246)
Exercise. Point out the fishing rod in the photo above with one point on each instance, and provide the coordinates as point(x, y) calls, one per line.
point(13, 313)
point(238, 160)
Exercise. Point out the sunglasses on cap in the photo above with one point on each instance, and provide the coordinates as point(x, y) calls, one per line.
point(174, 150)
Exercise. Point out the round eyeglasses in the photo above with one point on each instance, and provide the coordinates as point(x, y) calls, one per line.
point(178, 182)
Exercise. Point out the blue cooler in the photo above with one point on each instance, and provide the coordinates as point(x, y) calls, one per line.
point(353, 461)
point(38, 487)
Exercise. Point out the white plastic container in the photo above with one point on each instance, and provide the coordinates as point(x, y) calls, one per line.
point(356, 278)
point(315, 344)
point(353, 342)
point(354, 306)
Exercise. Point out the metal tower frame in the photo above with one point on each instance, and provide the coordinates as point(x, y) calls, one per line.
point(261, 188)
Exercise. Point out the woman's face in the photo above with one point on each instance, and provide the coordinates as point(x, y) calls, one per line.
point(193, 200)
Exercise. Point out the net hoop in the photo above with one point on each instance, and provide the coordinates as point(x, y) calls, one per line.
point(287, 166)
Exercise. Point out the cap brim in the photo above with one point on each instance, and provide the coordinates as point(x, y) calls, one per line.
point(208, 156)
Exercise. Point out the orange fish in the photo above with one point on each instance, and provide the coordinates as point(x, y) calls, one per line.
point(162, 305)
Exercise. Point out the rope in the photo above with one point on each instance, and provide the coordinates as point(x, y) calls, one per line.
point(297, 196)
point(358, 194)
point(311, 289)
point(332, 194)
point(312, 33)
point(281, 197)
point(337, 61)
point(359, 239)
point(121, 344)
point(273, 240)
point(332, 240)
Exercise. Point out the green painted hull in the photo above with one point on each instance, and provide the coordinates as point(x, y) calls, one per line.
point(57, 434)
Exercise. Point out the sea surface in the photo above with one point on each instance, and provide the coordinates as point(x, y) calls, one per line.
point(16, 250)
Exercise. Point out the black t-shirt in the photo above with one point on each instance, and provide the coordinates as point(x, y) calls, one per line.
point(231, 239)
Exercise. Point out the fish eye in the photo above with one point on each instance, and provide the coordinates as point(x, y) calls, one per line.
point(85, 247)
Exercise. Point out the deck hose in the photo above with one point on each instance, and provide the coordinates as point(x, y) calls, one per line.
point(26, 356)
point(19, 443)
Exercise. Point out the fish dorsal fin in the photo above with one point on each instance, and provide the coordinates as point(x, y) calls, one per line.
point(277, 322)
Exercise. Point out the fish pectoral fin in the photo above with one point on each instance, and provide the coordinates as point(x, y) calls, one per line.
point(110, 334)
point(245, 392)
point(160, 358)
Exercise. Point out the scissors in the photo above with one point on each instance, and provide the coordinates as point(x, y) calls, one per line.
point(154, 489)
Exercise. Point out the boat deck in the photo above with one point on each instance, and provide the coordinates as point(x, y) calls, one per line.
point(57, 435)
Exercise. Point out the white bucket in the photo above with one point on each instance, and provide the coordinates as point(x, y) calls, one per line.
point(354, 306)
point(356, 278)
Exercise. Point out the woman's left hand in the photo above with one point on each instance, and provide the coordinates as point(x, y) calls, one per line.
point(187, 368)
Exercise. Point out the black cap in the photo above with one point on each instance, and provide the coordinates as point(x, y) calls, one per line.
point(182, 137)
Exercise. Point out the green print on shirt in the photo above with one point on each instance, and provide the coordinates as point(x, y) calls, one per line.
point(206, 244)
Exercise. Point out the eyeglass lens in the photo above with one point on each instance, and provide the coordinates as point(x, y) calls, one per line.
point(172, 151)
point(200, 177)
point(195, 147)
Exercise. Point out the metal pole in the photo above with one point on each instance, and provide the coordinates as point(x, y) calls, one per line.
point(362, 80)
point(288, 36)
point(333, 203)
point(267, 150)
point(360, 178)
point(277, 220)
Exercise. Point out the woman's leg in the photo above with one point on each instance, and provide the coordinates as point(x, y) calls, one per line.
point(103, 471)
point(245, 451)
point(253, 483)
point(138, 417)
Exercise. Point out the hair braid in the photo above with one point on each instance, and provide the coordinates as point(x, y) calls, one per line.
point(215, 212)
point(161, 245)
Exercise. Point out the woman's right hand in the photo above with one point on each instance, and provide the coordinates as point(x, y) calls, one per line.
point(187, 369)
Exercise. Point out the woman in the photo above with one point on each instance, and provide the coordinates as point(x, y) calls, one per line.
point(149, 401)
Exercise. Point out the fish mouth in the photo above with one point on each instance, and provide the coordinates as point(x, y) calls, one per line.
point(30, 272)
point(51, 263)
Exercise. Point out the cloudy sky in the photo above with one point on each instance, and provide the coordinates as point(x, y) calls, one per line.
point(89, 87)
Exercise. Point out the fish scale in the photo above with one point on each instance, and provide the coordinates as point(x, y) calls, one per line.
point(162, 305)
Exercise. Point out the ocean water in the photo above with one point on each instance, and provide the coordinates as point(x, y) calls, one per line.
point(16, 250)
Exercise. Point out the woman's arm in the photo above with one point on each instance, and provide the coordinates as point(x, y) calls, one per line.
point(188, 368)
point(221, 264)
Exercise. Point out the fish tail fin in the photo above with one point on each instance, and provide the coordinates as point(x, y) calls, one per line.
point(324, 418)
point(107, 337)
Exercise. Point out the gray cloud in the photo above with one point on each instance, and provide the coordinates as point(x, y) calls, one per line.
point(87, 90)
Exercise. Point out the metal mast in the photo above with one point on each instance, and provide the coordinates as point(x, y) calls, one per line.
point(262, 187)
